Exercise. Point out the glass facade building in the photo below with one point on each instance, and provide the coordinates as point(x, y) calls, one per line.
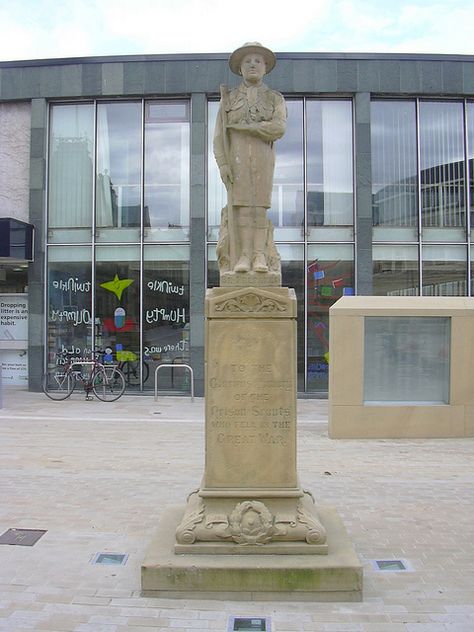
point(373, 194)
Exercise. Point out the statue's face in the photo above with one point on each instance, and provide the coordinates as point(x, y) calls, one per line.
point(253, 68)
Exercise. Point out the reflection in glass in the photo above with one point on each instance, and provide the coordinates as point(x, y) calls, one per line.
point(287, 195)
point(13, 280)
point(71, 151)
point(442, 170)
point(118, 192)
point(395, 271)
point(329, 168)
point(406, 359)
point(166, 213)
point(216, 193)
point(166, 314)
point(394, 169)
point(444, 270)
point(472, 271)
point(292, 275)
point(69, 302)
point(329, 275)
point(470, 145)
point(117, 300)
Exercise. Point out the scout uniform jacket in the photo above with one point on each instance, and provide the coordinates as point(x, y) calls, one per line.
point(251, 156)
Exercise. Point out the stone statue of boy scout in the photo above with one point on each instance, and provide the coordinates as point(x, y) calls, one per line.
point(251, 117)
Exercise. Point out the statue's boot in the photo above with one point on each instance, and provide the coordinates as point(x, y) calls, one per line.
point(245, 238)
point(259, 259)
point(243, 264)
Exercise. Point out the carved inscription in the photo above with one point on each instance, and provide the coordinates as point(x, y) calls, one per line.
point(251, 403)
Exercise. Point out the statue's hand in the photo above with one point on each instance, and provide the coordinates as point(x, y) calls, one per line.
point(226, 175)
point(250, 128)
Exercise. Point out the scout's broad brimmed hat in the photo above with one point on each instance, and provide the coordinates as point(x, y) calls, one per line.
point(235, 60)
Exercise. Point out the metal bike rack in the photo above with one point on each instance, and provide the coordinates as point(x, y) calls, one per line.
point(174, 366)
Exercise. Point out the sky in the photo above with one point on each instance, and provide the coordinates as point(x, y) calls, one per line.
point(44, 29)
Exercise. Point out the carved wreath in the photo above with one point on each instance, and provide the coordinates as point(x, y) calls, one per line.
point(250, 303)
point(251, 523)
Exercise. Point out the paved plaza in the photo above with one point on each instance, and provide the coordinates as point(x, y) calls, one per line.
point(96, 477)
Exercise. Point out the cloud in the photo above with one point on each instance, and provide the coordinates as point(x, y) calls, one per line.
point(210, 25)
point(407, 26)
point(71, 28)
point(43, 28)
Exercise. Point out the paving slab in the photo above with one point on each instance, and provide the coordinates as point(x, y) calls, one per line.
point(98, 476)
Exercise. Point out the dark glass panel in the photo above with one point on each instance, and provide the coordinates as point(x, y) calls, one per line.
point(329, 275)
point(166, 314)
point(69, 302)
point(117, 303)
point(395, 271)
point(444, 270)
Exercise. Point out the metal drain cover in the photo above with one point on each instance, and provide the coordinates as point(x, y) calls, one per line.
point(117, 559)
point(21, 537)
point(249, 624)
point(391, 565)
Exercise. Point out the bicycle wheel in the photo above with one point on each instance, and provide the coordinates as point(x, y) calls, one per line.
point(108, 385)
point(58, 384)
point(131, 371)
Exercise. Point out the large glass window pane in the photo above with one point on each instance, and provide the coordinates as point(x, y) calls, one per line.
point(329, 275)
point(117, 303)
point(395, 271)
point(71, 152)
point(394, 170)
point(287, 211)
point(444, 270)
point(406, 360)
point(212, 267)
point(166, 314)
point(69, 301)
point(470, 145)
point(166, 212)
point(443, 204)
point(15, 143)
point(216, 193)
point(329, 170)
point(119, 159)
point(472, 271)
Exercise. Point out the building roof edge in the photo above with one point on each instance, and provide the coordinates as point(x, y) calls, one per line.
point(109, 59)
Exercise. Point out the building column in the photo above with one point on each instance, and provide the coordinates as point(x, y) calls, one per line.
point(363, 183)
point(36, 278)
point(197, 272)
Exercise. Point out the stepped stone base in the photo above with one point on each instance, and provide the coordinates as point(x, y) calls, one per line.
point(250, 279)
point(336, 576)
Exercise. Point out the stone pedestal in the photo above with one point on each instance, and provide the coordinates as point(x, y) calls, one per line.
point(250, 495)
point(250, 511)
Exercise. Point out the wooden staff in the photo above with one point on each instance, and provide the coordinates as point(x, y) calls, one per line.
point(230, 205)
